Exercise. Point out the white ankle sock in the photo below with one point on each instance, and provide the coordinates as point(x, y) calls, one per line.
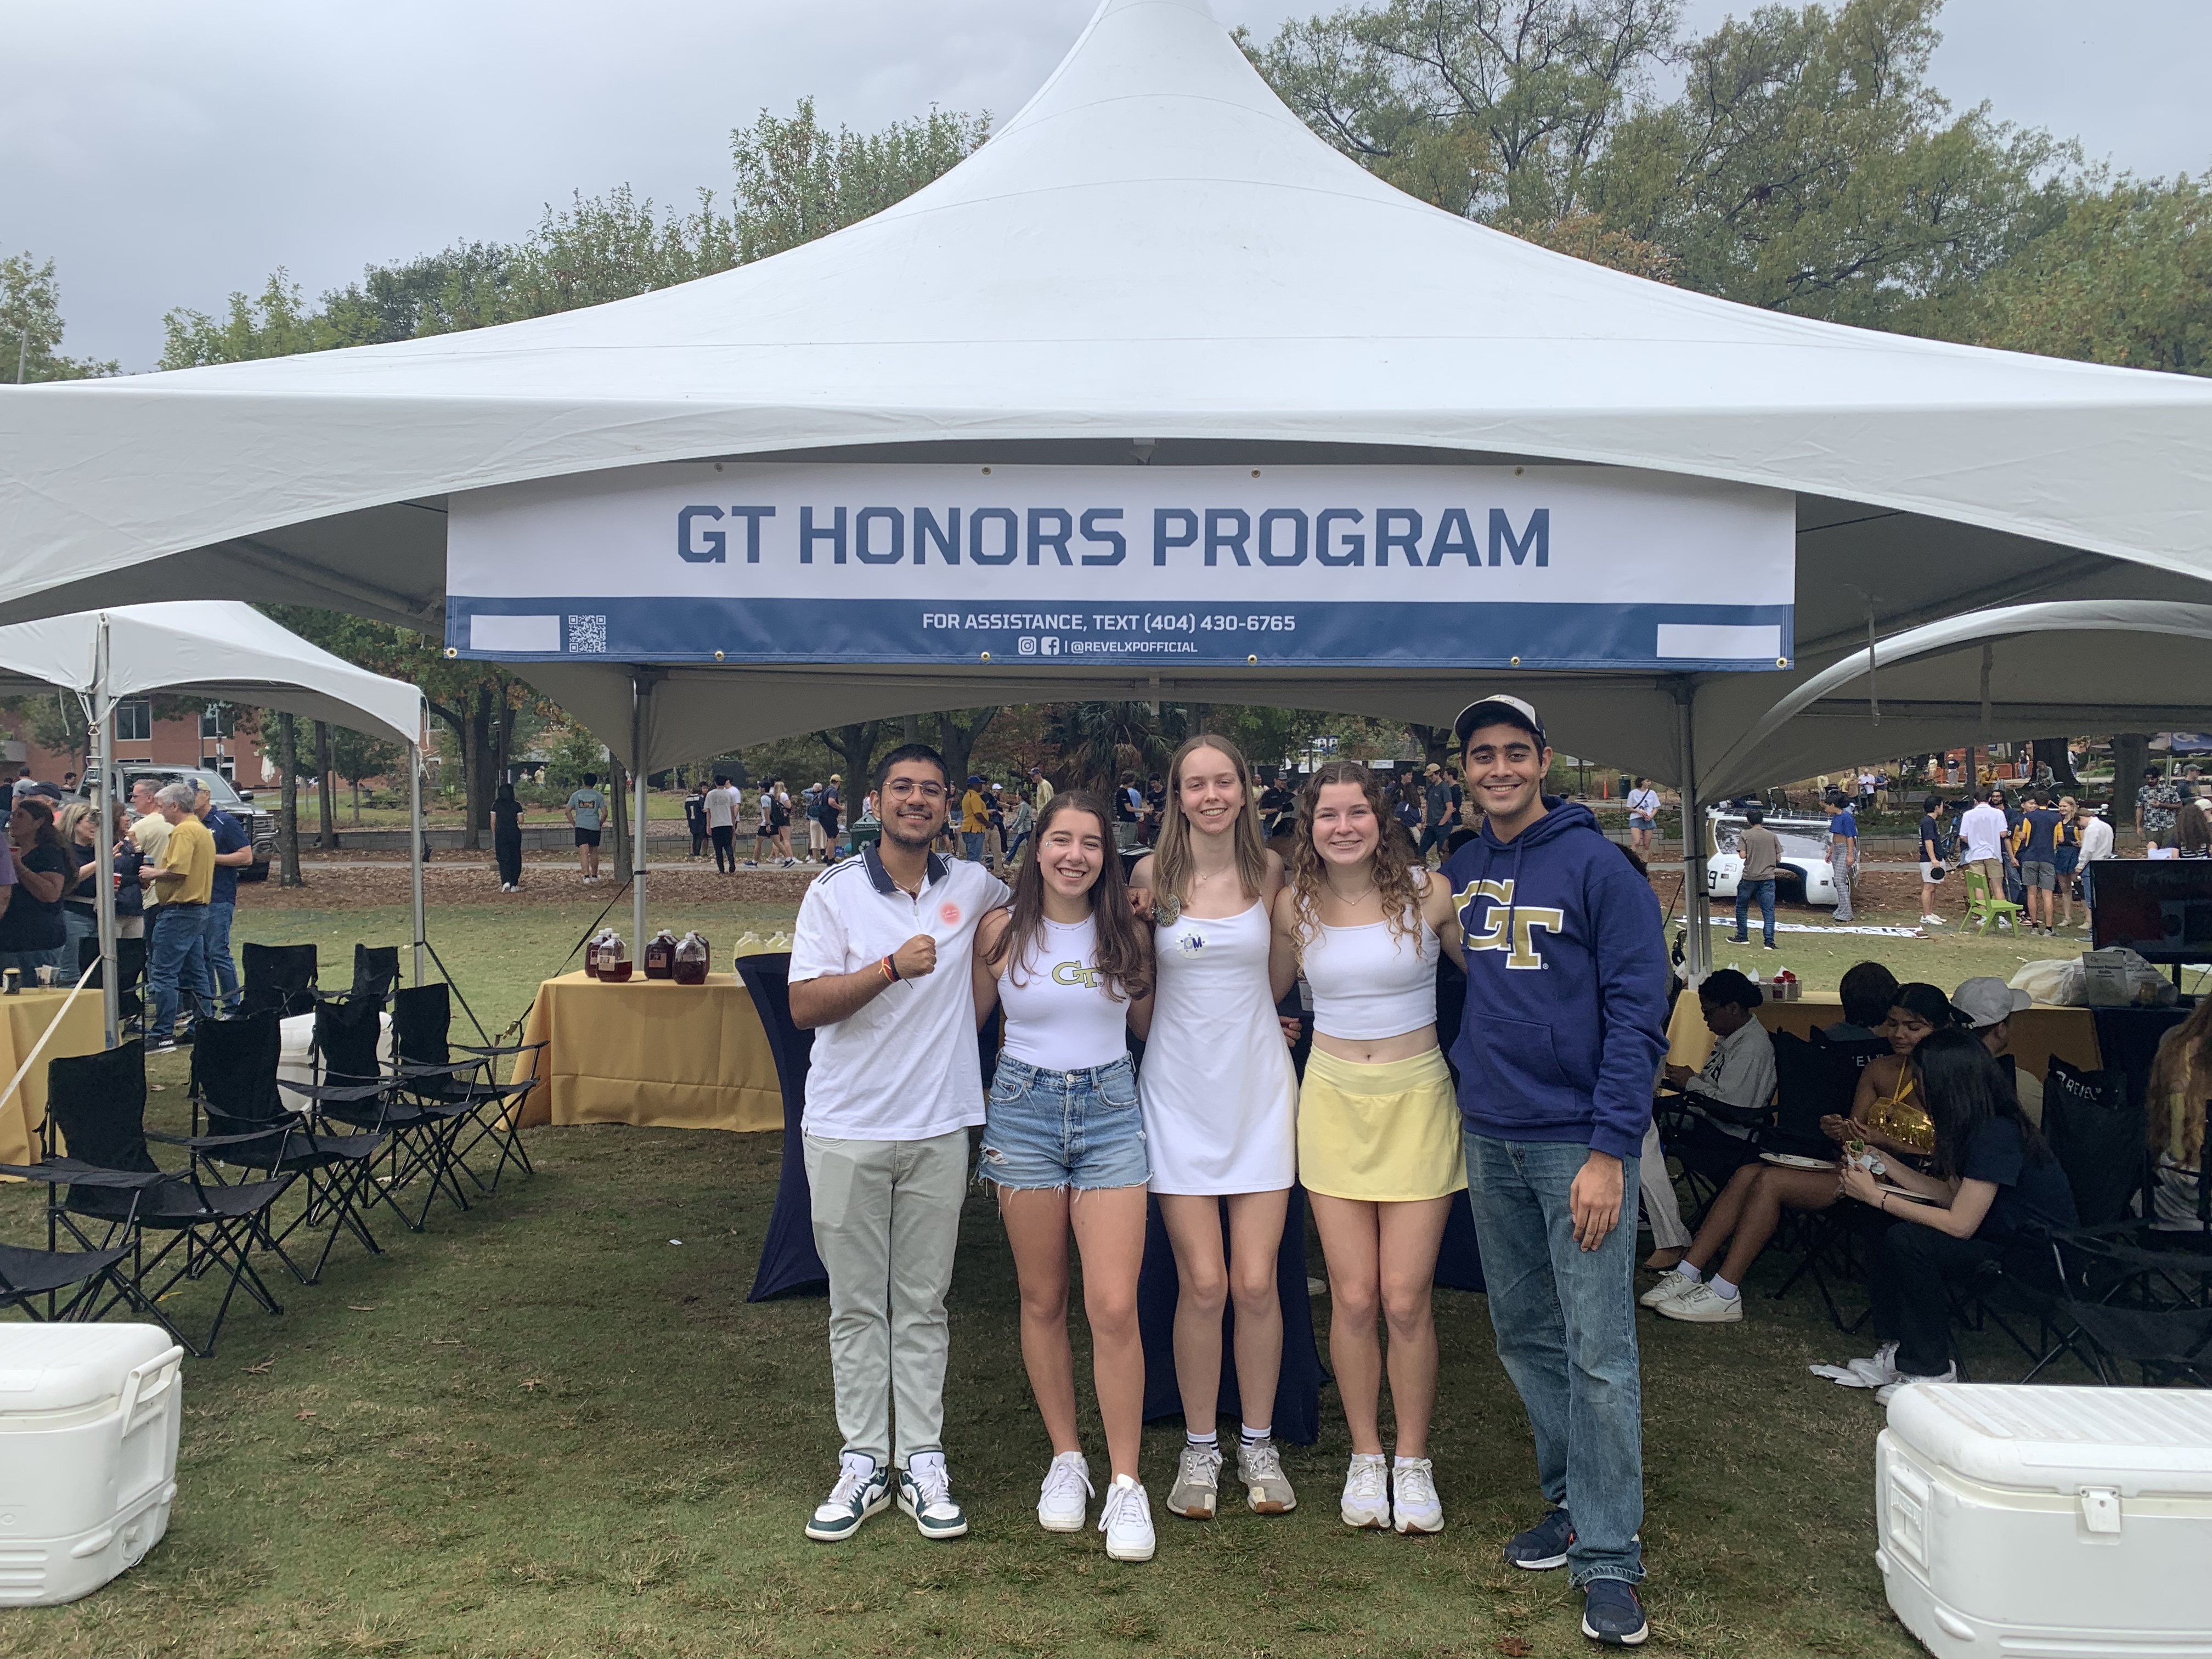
point(1693, 1274)
point(1405, 1463)
point(1723, 1289)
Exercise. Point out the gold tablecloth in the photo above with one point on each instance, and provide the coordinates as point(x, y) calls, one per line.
point(650, 1052)
point(2037, 1032)
point(23, 1018)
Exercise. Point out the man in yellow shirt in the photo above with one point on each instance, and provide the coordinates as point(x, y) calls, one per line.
point(975, 820)
point(178, 951)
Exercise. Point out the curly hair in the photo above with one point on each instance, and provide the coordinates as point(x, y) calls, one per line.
point(1392, 860)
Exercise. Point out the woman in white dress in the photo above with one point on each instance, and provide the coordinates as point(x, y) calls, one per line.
point(1220, 1105)
point(1379, 1144)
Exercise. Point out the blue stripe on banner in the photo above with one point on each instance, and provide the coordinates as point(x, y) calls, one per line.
point(1091, 636)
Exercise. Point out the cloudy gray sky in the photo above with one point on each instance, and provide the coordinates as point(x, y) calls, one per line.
point(164, 155)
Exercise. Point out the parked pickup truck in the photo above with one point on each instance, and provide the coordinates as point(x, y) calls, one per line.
point(260, 823)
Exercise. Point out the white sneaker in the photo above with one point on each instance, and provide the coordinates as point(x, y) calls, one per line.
point(1062, 1504)
point(1671, 1287)
point(1887, 1392)
point(862, 1489)
point(1366, 1501)
point(1126, 1518)
point(1879, 1371)
point(1704, 1305)
point(1931, 921)
point(1413, 1496)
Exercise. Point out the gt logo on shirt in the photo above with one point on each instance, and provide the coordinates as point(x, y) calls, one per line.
point(1521, 950)
point(1074, 973)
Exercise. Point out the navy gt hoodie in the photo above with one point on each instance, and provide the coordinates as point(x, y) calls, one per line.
point(1566, 985)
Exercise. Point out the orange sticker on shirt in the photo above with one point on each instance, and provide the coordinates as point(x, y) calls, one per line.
point(949, 913)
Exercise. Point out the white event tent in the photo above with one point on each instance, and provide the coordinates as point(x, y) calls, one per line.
point(1153, 263)
point(218, 650)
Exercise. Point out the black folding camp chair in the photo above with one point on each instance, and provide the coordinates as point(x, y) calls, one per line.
point(375, 972)
point(1814, 1078)
point(234, 1079)
point(129, 974)
point(279, 979)
point(98, 1104)
point(353, 1089)
point(460, 1079)
point(30, 1277)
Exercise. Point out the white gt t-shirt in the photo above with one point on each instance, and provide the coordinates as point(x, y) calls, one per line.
point(904, 1067)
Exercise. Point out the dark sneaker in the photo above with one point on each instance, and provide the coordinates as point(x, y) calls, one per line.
point(1612, 1613)
point(862, 1489)
point(1544, 1545)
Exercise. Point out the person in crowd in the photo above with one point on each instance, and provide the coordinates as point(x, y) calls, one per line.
point(974, 820)
point(1844, 853)
point(587, 810)
point(1064, 1146)
point(507, 837)
point(130, 896)
point(2034, 846)
point(719, 808)
point(150, 833)
point(2068, 861)
point(1732, 1092)
point(1933, 811)
point(1021, 823)
point(1867, 990)
point(1746, 1214)
point(764, 829)
point(2193, 833)
point(1643, 817)
point(32, 934)
point(810, 802)
point(1762, 857)
point(1279, 805)
point(1983, 831)
point(2158, 803)
point(233, 851)
point(882, 973)
point(1156, 810)
point(1408, 806)
point(1566, 1007)
point(2180, 1086)
point(1379, 1146)
point(177, 962)
point(780, 813)
point(695, 817)
point(69, 783)
point(1041, 790)
point(2097, 844)
point(1986, 1006)
point(79, 829)
point(1992, 1191)
point(830, 815)
point(1220, 1103)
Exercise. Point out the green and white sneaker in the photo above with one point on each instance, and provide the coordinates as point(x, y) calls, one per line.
point(924, 1492)
point(862, 1489)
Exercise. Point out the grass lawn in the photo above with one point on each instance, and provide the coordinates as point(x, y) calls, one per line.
point(547, 1427)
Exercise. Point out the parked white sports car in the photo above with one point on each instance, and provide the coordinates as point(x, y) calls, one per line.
point(1803, 877)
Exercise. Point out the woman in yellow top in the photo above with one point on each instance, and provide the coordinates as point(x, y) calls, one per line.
point(1888, 1113)
point(2180, 1084)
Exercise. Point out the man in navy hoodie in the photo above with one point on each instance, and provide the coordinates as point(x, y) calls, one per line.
point(1566, 1005)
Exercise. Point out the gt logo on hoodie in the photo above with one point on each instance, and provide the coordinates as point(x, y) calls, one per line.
point(1521, 949)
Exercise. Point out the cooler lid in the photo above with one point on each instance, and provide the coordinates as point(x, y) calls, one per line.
point(2060, 1439)
point(58, 1368)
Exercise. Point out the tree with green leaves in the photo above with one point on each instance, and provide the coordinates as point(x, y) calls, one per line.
point(356, 758)
point(797, 180)
point(31, 327)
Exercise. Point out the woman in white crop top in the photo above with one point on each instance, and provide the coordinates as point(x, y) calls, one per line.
point(1379, 1145)
point(1064, 1143)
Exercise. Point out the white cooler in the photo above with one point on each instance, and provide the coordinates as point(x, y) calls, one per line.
point(89, 1418)
point(295, 1056)
point(2035, 1522)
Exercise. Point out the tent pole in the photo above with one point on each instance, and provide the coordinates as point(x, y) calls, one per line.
point(638, 692)
point(1696, 910)
point(415, 845)
point(103, 840)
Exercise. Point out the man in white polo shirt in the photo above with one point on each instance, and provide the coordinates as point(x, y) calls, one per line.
point(881, 969)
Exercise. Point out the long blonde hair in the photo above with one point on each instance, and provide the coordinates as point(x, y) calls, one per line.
point(1393, 858)
point(2180, 1082)
point(1171, 859)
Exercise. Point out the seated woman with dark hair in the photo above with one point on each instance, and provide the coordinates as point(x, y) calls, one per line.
point(1885, 1114)
point(1992, 1193)
point(1868, 990)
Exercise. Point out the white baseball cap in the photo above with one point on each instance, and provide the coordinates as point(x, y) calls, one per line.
point(1988, 1001)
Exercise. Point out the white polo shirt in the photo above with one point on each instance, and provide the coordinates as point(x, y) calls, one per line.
point(905, 1066)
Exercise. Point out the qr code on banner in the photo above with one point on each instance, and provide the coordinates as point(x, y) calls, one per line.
point(587, 636)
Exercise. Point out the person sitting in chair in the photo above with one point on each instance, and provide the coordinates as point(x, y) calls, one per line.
point(1730, 1095)
point(1885, 1114)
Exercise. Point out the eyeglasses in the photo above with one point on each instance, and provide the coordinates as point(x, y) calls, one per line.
point(907, 789)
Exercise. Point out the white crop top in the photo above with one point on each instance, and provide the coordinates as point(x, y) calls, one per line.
point(1060, 1015)
point(1369, 982)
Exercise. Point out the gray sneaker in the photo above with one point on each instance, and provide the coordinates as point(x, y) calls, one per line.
point(1197, 1483)
point(1266, 1488)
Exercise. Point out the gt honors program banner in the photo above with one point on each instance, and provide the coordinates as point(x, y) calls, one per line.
point(1539, 567)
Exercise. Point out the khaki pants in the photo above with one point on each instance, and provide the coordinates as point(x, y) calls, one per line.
point(886, 1220)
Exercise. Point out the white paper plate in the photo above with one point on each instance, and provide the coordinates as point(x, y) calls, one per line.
point(1791, 1161)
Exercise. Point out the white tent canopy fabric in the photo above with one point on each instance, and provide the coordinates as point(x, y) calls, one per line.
point(218, 649)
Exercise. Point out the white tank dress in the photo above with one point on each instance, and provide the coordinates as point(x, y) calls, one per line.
point(1219, 1095)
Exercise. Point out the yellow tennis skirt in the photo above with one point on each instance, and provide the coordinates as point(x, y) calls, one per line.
point(1385, 1134)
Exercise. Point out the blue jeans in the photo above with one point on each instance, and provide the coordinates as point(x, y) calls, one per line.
point(1566, 1321)
point(219, 914)
point(1057, 1130)
point(77, 926)
point(1764, 892)
point(177, 957)
point(972, 841)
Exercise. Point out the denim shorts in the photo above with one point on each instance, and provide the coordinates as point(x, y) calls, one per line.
point(1052, 1129)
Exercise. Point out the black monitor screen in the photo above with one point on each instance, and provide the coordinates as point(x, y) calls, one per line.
point(2160, 908)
